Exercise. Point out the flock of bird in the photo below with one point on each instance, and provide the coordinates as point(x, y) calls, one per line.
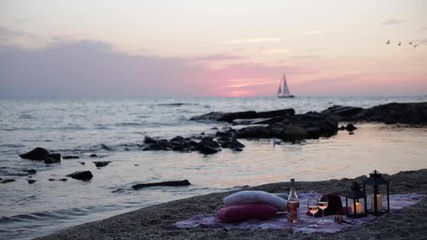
point(400, 43)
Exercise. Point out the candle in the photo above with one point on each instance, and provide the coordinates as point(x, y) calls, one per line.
point(379, 203)
point(359, 208)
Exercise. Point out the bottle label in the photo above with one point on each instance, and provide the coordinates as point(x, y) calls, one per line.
point(293, 207)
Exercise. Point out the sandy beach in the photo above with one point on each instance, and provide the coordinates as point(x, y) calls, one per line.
point(155, 222)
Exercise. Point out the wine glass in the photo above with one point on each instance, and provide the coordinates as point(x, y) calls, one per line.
point(322, 202)
point(313, 208)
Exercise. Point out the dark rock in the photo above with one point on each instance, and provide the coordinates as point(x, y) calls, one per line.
point(212, 116)
point(254, 132)
point(294, 128)
point(350, 127)
point(293, 133)
point(93, 155)
point(178, 140)
point(155, 147)
point(226, 132)
point(165, 144)
point(59, 180)
point(52, 158)
point(167, 183)
point(230, 117)
point(107, 148)
point(391, 113)
point(313, 132)
point(208, 146)
point(154, 144)
point(231, 143)
point(101, 163)
point(41, 154)
point(344, 113)
point(408, 113)
point(37, 153)
point(283, 113)
point(31, 171)
point(7, 180)
point(149, 140)
point(31, 181)
point(70, 157)
point(327, 125)
point(269, 120)
point(181, 144)
point(82, 163)
point(81, 175)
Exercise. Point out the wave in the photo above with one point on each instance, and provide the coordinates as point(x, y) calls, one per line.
point(11, 145)
point(177, 104)
point(21, 226)
point(129, 124)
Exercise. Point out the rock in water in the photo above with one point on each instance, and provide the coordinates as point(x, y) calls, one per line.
point(350, 127)
point(41, 154)
point(52, 158)
point(208, 146)
point(167, 184)
point(293, 133)
point(31, 181)
point(81, 175)
point(99, 164)
point(37, 153)
point(70, 157)
point(7, 180)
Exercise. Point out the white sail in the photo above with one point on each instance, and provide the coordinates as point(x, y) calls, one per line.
point(283, 91)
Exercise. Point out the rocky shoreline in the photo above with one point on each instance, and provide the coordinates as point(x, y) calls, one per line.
point(155, 222)
point(285, 125)
point(280, 125)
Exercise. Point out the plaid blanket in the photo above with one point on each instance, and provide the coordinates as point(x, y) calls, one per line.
point(397, 202)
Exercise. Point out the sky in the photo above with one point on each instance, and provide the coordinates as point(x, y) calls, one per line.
point(221, 48)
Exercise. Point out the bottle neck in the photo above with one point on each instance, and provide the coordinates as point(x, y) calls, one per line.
point(292, 184)
point(293, 193)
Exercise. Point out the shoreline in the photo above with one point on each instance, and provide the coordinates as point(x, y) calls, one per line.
point(155, 222)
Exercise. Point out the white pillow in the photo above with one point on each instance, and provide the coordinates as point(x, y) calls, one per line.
point(255, 197)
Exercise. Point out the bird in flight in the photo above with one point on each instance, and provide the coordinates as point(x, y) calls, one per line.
point(388, 42)
point(399, 43)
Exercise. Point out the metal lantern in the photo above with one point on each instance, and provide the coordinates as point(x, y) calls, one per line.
point(357, 199)
point(375, 185)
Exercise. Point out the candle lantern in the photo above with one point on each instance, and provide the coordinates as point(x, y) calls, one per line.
point(357, 200)
point(374, 186)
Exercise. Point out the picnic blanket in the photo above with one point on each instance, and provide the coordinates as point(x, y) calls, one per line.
point(397, 202)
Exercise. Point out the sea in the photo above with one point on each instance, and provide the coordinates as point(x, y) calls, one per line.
point(114, 130)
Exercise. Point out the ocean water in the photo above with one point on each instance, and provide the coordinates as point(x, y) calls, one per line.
point(114, 130)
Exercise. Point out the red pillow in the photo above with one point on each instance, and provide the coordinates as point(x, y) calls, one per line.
point(246, 211)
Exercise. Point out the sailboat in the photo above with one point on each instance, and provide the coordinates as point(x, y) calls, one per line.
point(283, 91)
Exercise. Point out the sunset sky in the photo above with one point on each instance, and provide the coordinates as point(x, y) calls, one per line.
point(225, 48)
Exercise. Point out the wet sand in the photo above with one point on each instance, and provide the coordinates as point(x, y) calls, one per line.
point(155, 222)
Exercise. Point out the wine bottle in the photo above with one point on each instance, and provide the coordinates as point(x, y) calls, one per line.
point(293, 204)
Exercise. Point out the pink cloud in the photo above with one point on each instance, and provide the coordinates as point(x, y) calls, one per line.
point(94, 69)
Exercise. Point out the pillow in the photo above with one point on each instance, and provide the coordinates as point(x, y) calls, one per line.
point(243, 212)
point(256, 197)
